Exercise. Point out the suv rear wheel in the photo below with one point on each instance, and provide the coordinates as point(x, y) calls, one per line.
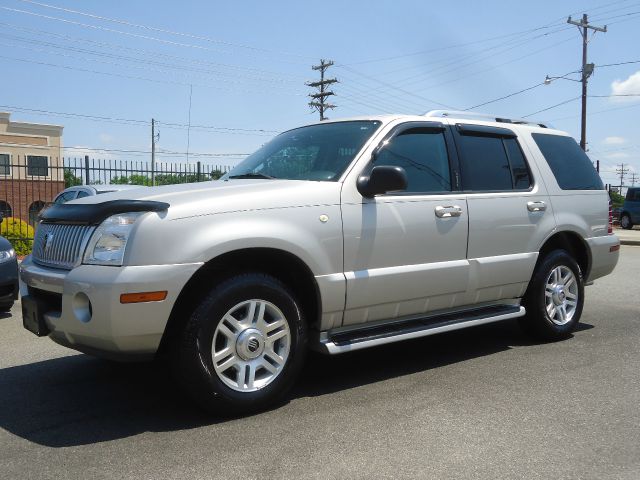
point(554, 298)
point(625, 222)
point(243, 346)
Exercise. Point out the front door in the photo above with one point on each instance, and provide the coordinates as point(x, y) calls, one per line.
point(405, 252)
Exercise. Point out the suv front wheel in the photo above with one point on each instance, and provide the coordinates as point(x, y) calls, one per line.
point(554, 298)
point(243, 346)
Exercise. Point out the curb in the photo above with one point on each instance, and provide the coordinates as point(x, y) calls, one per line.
point(630, 242)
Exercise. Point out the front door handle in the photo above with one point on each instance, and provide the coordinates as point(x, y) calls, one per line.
point(448, 211)
point(536, 206)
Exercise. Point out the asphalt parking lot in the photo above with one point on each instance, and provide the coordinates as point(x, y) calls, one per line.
point(481, 403)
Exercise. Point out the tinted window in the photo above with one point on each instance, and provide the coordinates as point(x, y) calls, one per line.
point(485, 165)
point(423, 154)
point(82, 194)
point(519, 169)
point(5, 168)
point(37, 165)
point(316, 152)
point(570, 165)
point(65, 197)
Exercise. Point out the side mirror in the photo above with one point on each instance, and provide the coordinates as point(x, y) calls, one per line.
point(382, 179)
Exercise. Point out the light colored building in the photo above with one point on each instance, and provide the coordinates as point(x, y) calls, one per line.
point(31, 172)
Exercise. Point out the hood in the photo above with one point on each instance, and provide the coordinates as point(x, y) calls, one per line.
point(219, 196)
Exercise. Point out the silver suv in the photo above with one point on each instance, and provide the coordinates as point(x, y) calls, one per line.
point(336, 236)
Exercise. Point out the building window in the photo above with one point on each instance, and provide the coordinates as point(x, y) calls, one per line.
point(37, 165)
point(34, 210)
point(5, 164)
point(5, 209)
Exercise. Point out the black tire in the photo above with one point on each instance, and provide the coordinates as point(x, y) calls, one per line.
point(537, 320)
point(192, 358)
point(6, 307)
point(625, 221)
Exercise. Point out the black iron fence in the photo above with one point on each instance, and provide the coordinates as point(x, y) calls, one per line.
point(28, 183)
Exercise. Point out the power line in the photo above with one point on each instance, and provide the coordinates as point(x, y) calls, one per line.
point(506, 96)
point(122, 75)
point(161, 69)
point(149, 52)
point(146, 61)
point(616, 64)
point(160, 30)
point(551, 107)
point(130, 121)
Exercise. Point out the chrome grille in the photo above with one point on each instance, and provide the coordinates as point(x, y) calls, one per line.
point(60, 246)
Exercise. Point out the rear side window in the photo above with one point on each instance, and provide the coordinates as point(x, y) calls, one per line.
point(570, 165)
point(422, 152)
point(492, 163)
point(633, 195)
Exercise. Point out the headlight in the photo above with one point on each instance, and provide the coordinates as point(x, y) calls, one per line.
point(6, 255)
point(106, 245)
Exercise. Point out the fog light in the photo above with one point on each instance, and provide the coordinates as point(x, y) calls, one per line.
point(82, 307)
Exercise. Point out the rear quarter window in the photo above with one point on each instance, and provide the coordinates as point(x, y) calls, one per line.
point(568, 162)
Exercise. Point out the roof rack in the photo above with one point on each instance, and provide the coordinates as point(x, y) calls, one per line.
point(482, 116)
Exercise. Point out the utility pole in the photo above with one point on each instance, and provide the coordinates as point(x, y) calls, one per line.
point(319, 100)
point(154, 139)
point(622, 172)
point(633, 179)
point(587, 70)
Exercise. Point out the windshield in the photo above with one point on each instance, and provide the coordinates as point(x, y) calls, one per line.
point(317, 152)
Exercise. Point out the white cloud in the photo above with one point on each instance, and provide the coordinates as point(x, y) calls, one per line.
point(614, 140)
point(630, 86)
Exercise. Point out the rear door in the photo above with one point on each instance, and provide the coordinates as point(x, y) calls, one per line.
point(509, 211)
point(405, 252)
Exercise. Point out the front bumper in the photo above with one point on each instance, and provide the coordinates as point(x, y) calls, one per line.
point(105, 327)
point(605, 252)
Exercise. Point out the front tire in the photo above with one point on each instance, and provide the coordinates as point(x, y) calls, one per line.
point(243, 346)
point(625, 222)
point(554, 298)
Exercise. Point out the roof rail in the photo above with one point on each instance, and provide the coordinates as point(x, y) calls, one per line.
point(482, 116)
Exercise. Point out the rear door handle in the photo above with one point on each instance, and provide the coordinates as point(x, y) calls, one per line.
point(448, 211)
point(536, 206)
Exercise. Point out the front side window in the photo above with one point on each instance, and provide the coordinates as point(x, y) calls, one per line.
point(317, 152)
point(5, 164)
point(568, 162)
point(37, 165)
point(422, 152)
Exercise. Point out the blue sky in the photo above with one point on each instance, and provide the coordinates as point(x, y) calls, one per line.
point(247, 62)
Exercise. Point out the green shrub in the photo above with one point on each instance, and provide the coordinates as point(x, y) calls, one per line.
point(19, 233)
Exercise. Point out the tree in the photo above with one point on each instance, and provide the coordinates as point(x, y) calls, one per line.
point(70, 180)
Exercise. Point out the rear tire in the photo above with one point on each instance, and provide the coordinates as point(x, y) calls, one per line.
point(554, 298)
point(625, 222)
point(243, 346)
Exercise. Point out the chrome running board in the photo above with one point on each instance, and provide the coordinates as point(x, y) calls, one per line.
point(371, 336)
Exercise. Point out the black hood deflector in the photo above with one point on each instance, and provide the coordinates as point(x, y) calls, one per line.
point(95, 213)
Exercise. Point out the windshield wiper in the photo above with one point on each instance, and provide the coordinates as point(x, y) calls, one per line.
point(252, 175)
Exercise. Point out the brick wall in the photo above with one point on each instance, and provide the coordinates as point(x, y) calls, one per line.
point(21, 194)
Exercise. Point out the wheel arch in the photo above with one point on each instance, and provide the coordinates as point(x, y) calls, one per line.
point(283, 265)
point(573, 243)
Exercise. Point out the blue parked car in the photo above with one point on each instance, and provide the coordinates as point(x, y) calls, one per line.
point(630, 214)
